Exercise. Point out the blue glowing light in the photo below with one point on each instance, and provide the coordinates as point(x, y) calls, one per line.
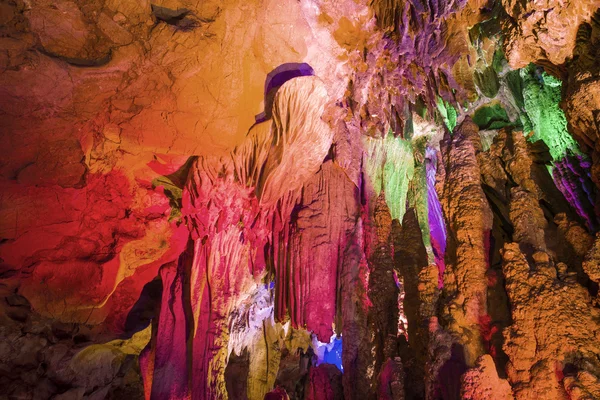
point(330, 353)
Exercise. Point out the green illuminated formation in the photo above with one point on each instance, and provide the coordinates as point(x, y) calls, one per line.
point(541, 96)
point(389, 166)
point(491, 117)
point(397, 173)
point(397, 166)
point(536, 96)
point(487, 82)
point(448, 113)
point(373, 161)
point(417, 195)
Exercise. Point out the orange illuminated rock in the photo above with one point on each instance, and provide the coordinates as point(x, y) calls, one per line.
point(468, 214)
point(483, 383)
point(544, 31)
point(228, 184)
point(554, 332)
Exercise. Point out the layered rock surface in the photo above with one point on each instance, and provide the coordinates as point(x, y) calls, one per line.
point(299, 199)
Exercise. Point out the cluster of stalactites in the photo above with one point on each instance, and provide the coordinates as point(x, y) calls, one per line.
point(326, 232)
point(232, 206)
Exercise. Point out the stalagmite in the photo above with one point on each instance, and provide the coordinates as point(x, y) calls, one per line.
point(299, 199)
point(541, 300)
point(470, 219)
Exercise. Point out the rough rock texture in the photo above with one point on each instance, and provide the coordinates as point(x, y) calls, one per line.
point(267, 199)
point(544, 31)
point(470, 222)
point(41, 358)
point(412, 265)
point(482, 382)
point(544, 301)
point(591, 265)
point(581, 99)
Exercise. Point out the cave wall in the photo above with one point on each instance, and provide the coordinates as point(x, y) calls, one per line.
point(299, 199)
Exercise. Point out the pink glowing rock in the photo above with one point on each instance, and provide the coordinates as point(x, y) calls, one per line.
point(391, 380)
point(483, 383)
point(324, 383)
point(326, 213)
point(229, 204)
point(277, 394)
point(170, 362)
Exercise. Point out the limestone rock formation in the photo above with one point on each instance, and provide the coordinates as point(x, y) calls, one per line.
point(483, 382)
point(544, 31)
point(540, 363)
point(299, 199)
point(470, 221)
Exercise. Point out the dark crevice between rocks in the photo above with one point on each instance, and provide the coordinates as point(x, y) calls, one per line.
point(185, 264)
point(19, 307)
point(449, 375)
point(498, 304)
point(145, 308)
point(181, 19)
point(79, 62)
point(236, 375)
point(173, 185)
point(410, 257)
point(293, 371)
point(168, 15)
point(383, 292)
point(84, 176)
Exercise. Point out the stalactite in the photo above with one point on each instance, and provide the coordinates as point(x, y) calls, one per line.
point(315, 248)
point(290, 199)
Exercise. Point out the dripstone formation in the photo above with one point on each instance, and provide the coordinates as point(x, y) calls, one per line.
point(300, 199)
